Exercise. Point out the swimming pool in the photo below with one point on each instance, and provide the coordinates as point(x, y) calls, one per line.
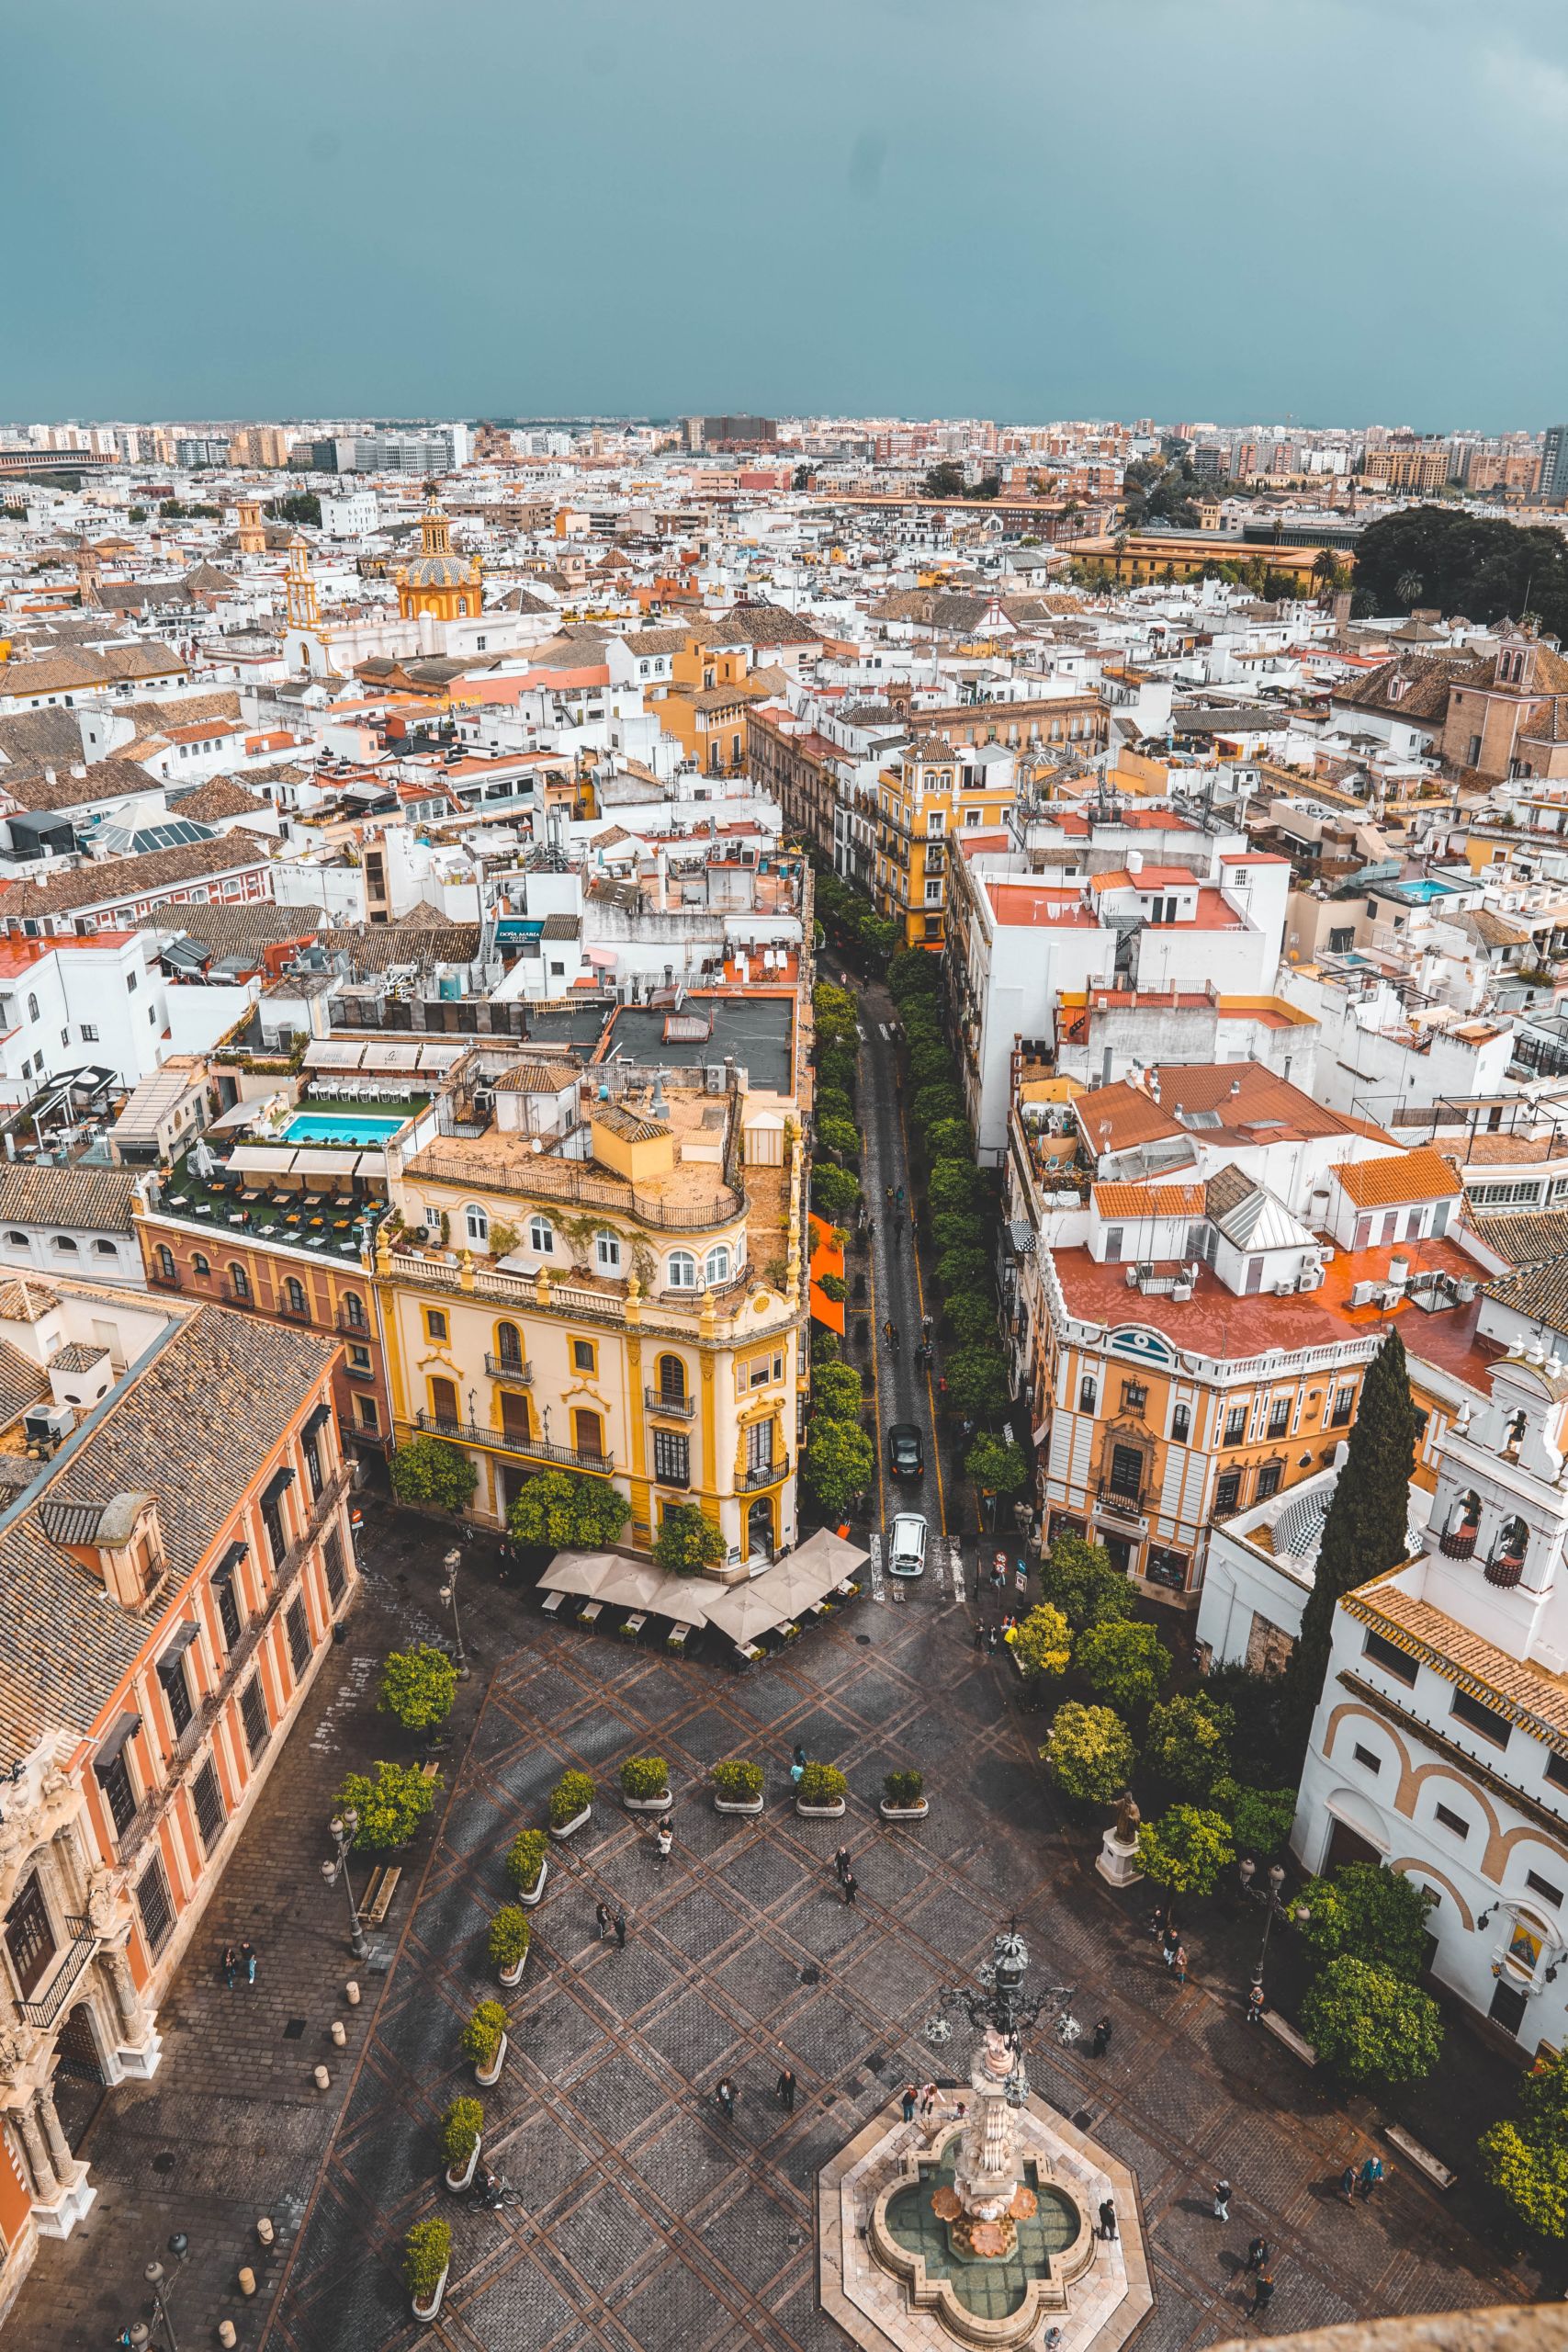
point(1423, 892)
point(341, 1126)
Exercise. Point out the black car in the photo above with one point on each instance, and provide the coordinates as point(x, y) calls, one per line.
point(906, 1451)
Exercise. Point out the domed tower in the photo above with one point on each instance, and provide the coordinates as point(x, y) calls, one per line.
point(435, 581)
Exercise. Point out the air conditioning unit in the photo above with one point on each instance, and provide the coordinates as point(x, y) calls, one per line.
point(484, 1097)
point(46, 1426)
point(713, 1077)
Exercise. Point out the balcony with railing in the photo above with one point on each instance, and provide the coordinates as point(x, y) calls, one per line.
point(1506, 1568)
point(766, 1474)
point(516, 1369)
point(1458, 1543)
point(529, 1448)
point(66, 1974)
point(682, 1407)
point(1125, 1503)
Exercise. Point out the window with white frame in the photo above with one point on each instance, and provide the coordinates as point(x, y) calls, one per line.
point(681, 1269)
point(717, 1267)
point(475, 1224)
point(541, 1237)
point(607, 1253)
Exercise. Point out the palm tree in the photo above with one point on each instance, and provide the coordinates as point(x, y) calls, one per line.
point(1407, 587)
point(1326, 571)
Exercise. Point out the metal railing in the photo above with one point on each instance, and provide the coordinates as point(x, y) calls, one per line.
point(533, 1449)
point(1458, 1543)
point(548, 1181)
point(683, 1407)
point(1505, 1570)
point(768, 1475)
point(67, 1974)
point(1129, 1505)
point(514, 1368)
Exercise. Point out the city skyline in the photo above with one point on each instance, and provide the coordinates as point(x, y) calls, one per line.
point(743, 220)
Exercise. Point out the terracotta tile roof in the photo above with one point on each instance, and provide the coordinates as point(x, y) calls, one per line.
point(1420, 1175)
point(1526, 1237)
point(105, 881)
point(22, 1382)
point(1149, 1200)
point(219, 796)
point(1540, 1291)
point(89, 1198)
point(1526, 1693)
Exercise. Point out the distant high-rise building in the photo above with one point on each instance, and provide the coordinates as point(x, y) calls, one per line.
point(1554, 465)
point(700, 431)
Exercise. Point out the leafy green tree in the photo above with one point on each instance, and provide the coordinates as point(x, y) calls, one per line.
point(834, 1191)
point(836, 1392)
point(840, 1135)
point(838, 1463)
point(1078, 1580)
point(568, 1509)
point(931, 1105)
point(950, 1139)
point(878, 937)
point(1369, 2025)
point(961, 1270)
point(1365, 1908)
point(954, 1184)
point(1186, 1850)
point(689, 1540)
point(998, 1465)
point(839, 1067)
point(945, 481)
point(391, 1807)
point(1261, 1818)
point(301, 506)
point(831, 1103)
point(973, 1318)
point(1483, 566)
point(824, 1348)
point(1364, 1533)
point(1042, 1642)
point(429, 1474)
point(1122, 1661)
point(977, 1383)
point(418, 1687)
point(1089, 1753)
point(834, 1008)
point(913, 973)
point(1527, 2162)
point(958, 1229)
point(1185, 1745)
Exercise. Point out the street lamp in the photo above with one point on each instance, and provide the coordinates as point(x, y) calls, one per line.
point(452, 1562)
point(1273, 1907)
point(344, 1827)
point(139, 2333)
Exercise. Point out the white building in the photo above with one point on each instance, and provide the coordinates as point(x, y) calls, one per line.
point(350, 514)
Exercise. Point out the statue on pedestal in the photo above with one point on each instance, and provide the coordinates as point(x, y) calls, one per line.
point(1117, 1859)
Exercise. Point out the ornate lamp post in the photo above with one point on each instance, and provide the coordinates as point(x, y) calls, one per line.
point(344, 1827)
point(139, 2333)
point(998, 2000)
point(1273, 1908)
point(452, 1562)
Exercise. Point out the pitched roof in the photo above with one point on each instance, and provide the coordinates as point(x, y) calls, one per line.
point(1540, 1291)
point(90, 1198)
point(109, 879)
point(1420, 1175)
point(1526, 1237)
point(1149, 1200)
point(764, 624)
point(219, 796)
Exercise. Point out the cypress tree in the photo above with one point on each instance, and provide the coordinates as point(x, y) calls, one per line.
point(1365, 1532)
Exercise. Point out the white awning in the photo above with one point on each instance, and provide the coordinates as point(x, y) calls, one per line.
point(325, 1163)
point(227, 1121)
point(262, 1160)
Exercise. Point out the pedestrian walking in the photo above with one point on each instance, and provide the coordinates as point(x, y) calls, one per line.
point(604, 1926)
point(1347, 2184)
point(248, 1969)
point(231, 1965)
point(1371, 2173)
point(1222, 2201)
point(664, 1839)
point(841, 1863)
point(1255, 2001)
point(887, 1194)
point(620, 1924)
point(928, 2105)
point(1257, 2255)
point(1107, 2217)
point(1157, 1919)
point(724, 2096)
point(783, 2089)
point(1169, 1942)
point(1179, 1965)
point(991, 1640)
point(926, 1326)
point(907, 2102)
point(798, 1763)
point(1101, 2041)
point(1262, 2294)
point(851, 1885)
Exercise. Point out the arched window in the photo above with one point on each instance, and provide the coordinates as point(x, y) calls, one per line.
point(64, 1245)
point(682, 1269)
point(104, 1249)
point(717, 1264)
point(1458, 1538)
point(476, 1225)
point(167, 1271)
point(15, 1240)
point(32, 1008)
point(541, 1237)
point(509, 1346)
point(607, 1253)
point(1507, 1565)
point(240, 1283)
point(353, 1310)
point(201, 1267)
point(672, 1381)
point(294, 1297)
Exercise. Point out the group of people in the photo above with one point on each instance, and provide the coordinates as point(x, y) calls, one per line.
point(725, 2092)
point(924, 2107)
point(239, 1965)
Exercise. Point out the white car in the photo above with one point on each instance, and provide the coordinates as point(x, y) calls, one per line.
point(906, 1546)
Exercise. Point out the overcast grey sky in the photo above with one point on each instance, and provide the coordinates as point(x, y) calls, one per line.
point(1339, 209)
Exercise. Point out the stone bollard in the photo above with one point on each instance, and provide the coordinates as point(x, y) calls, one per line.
point(351, 1992)
point(225, 2332)
point(340, 2032)
point(247, 2280)
point(264, 2232)
point(322, 2079)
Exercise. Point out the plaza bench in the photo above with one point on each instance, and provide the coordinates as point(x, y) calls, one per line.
point(379, 1893)
point(1284, 2032)
point(428, 1772)
point(1436, 2172)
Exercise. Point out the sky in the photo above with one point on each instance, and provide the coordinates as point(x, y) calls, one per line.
point(1338, 211)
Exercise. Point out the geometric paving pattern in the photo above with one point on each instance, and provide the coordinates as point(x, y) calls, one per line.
point(649, 2224)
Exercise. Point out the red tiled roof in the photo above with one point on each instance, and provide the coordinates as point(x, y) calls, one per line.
point(1421, 1175)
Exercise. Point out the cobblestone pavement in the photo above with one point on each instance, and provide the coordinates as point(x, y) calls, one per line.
point(646, 2224)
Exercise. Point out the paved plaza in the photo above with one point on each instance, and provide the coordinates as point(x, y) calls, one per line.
point(646, 2223)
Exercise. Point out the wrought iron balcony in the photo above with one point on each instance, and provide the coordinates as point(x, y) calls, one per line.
point(67, 1974)
point(1458, 1543)
point(512, 1368)
point(533, 1449)
point(770, 1474)
point(1129, 1505)
point(683, 1408)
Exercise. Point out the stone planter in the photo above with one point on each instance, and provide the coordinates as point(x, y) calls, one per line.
point(425, 2313)
point(458, 2182)
point(834, 1811)
point(649, 1804)
point(488, 2077)
point(568, 1830)
point(528, 1896)
point(513, 1975)
point(740, 1804)
point(904, 1812)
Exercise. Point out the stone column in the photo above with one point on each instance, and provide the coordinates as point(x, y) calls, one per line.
point(64, 2163)
point(128, 2000)
point(45, 2186)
